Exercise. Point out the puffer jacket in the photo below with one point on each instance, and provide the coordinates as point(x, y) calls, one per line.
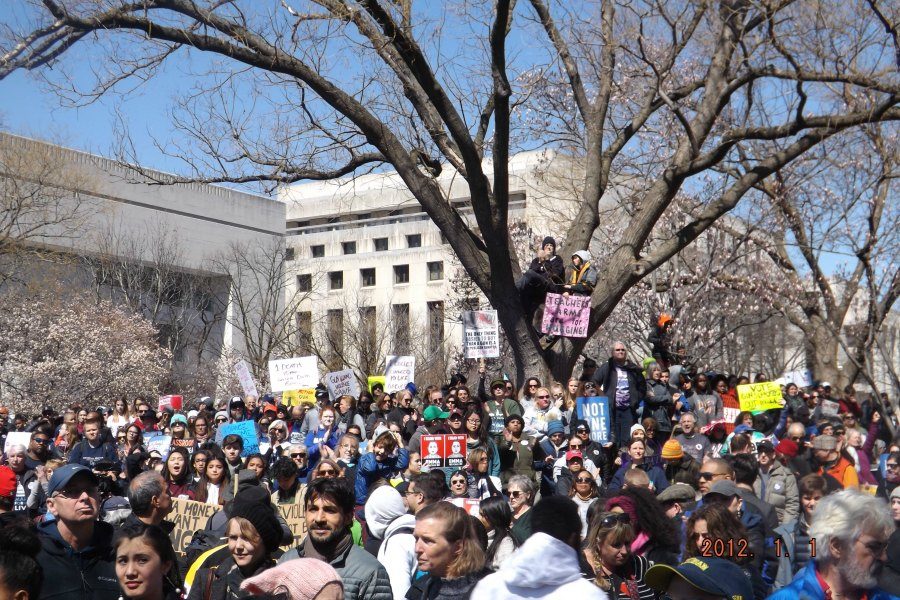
point(806, 586)
point(780, 491)
point(518, 577)
point(659, 401)
point(89, 574)
point(363, 576)
point(370, 470)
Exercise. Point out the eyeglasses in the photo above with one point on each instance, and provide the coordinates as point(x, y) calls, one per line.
point(544, 396)
point(474, 421)
point(221, 420)
point(584, 480)
point(76, 493)
point(298, 456)
point(575, 446)
point(581, 430)
point(458, 482)
point(411, 492)
point(615, 519)
point(327, 472)
point(515, 493)
point(531, 385)
point(708, 475)
point(509, 388)
point(891, 465)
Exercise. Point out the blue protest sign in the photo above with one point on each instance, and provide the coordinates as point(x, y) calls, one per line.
point(247, 431)
point(596, 412)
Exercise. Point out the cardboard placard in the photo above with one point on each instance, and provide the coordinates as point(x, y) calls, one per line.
point(247, 431)
point(298, 397)
point(189, 443)
point(295, 517)
point(566, 316)
point(595, 411)
point(481, 334)
point(341, 383)
point(801, 378)
point(173, 401)
point(444, 451)
point(242, 369)
point(17, 438)
point(830, 408)
point(293, 373)
point(398, 371)
point(757, 397)
point(188, 516)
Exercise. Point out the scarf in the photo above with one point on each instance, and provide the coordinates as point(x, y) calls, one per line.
point(310, 550)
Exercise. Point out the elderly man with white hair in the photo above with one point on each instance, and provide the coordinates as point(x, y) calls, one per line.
point(25, 478)
point(850, 530)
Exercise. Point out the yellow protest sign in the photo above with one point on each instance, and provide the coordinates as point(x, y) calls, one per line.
point(756, 397)
point(298, 397)
point(188, 516)
point(295, 517)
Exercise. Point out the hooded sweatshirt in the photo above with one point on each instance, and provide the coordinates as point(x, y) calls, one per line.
point(519, 577)
point(387, 520)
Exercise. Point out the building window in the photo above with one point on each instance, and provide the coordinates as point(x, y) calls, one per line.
point(335, 336)
point(304, 283)
point(318, 251)
point(381, 244)
point(401, 329)
point(414, 241)
point(336, 280)
point(348, 247)
point(401, 273)
point(368, 349)
point(288, 254)
point(436, 270)
point(304, 332)
point(367, 277)
point(435, 326)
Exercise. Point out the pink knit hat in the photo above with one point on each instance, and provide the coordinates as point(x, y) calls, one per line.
point(301, 578)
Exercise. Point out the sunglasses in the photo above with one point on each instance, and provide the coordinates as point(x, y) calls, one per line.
point(892, 465)
point(584, 480)
point(515, 493)
point(531, 385)
point(298, 456)
point(544, 396)
point(327, 472)
point(221, 420)
point(708, 475)
point(458, 482)
point(615, 519)
point(41, 441)
point(574, 446)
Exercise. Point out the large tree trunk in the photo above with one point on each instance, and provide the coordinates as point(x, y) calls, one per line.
point(822, 349)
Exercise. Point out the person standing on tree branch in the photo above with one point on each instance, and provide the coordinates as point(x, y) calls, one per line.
point(546, 271)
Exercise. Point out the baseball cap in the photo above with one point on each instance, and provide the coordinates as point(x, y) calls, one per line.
point(574, 454)
point(454, 414)
point(765, 446)
point(724, 487)
point(825, 384)
point(63, 475)
point(715, 576)
point(433, 412)
point(236, 401)
point(8, 482)
point(270, 408)
point(498, 383)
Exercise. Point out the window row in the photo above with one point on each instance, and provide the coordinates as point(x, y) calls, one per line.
point(380, 245)
point(367, 277)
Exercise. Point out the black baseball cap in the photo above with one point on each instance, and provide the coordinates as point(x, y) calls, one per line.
point(715, 576)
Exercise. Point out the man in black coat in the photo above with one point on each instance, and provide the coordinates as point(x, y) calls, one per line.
point(623, 383)
point(545, 272)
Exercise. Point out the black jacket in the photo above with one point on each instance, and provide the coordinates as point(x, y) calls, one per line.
point(86, 575)
point(605, 377)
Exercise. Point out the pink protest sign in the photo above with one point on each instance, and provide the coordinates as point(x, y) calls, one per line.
point(567, 316)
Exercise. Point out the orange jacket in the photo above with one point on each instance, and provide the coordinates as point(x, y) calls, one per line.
point(845, 473)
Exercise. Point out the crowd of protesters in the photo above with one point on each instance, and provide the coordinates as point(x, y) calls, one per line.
point(688, 497)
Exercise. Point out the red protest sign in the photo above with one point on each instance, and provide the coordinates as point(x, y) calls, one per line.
point(439, 451)
point(173, 401)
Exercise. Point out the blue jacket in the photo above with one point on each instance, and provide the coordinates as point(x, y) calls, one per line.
point(317, 437)
point(657, 477)
point(805, 586)
point(370, 470)
point(89, 456)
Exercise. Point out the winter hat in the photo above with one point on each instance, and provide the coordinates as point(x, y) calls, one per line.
point(178, 418)
point(302, 578)
point(627, 505)
point(896, 492)
point(635, 427)
point(383, 506)
point(554, 427)
point(672, 450)
point(549, 240)
point(787, 447)
point(221, 415)
point(261, 515)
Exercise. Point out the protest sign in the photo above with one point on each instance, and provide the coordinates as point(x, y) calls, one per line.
point(173, 402)
point(17, 438)
point(830, 408)
point(481, 338)
point(188, 516)
point(189, 443)
point(247, 431)
point(159, 443)
point(298, 397)
point(596, 412)
point(246, 378)
point(398, 371)
point(758, 397)
point(799, 378)
point(341, 383)
point(567, 316)
point(375, 379)
point(443, 451)
point(293, 373)
point(470, 505)
point(295, 517)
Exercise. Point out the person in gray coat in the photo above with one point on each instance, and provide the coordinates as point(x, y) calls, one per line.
point(329, 515)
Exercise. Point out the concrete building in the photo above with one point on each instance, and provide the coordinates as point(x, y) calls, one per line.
point(117, 219)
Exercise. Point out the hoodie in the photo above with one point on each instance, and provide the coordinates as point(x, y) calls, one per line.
point(388, 521)
point(89, 574)
point(518, 577)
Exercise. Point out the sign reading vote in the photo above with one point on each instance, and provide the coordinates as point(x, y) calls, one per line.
point(398, 371)
point(342, 383)
point(293, 373)
point(566, 316)
point(596, 412)
point(188, 516)
point(443, 451)
point(481, 338)
point(756, 397)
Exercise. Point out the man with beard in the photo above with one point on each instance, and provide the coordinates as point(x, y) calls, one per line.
point(851, 530)
point(329, 514)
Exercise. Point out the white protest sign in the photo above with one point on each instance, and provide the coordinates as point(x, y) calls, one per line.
point(799, 378)
point(243, 373)
point(293, 373)
point(398, 371)
point(342, 383)
point(17, 438)
point(481, 338)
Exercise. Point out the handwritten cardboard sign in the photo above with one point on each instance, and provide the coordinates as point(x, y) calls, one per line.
point(566, 316)
point(398, 371)
point(757, 397)
point(242, 369)
point(341, 383)
point(444, 451)
point(188, 516)
point(293, 373)
point(481, 334)
point(295, 517)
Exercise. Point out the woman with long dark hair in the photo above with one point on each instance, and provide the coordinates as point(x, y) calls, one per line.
point(146, 564)
point(215, 479)
point(477, 438)
point(615, 568)
point(656, 536)
point(178, 475)
point(20, 573)
point(496, 516)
